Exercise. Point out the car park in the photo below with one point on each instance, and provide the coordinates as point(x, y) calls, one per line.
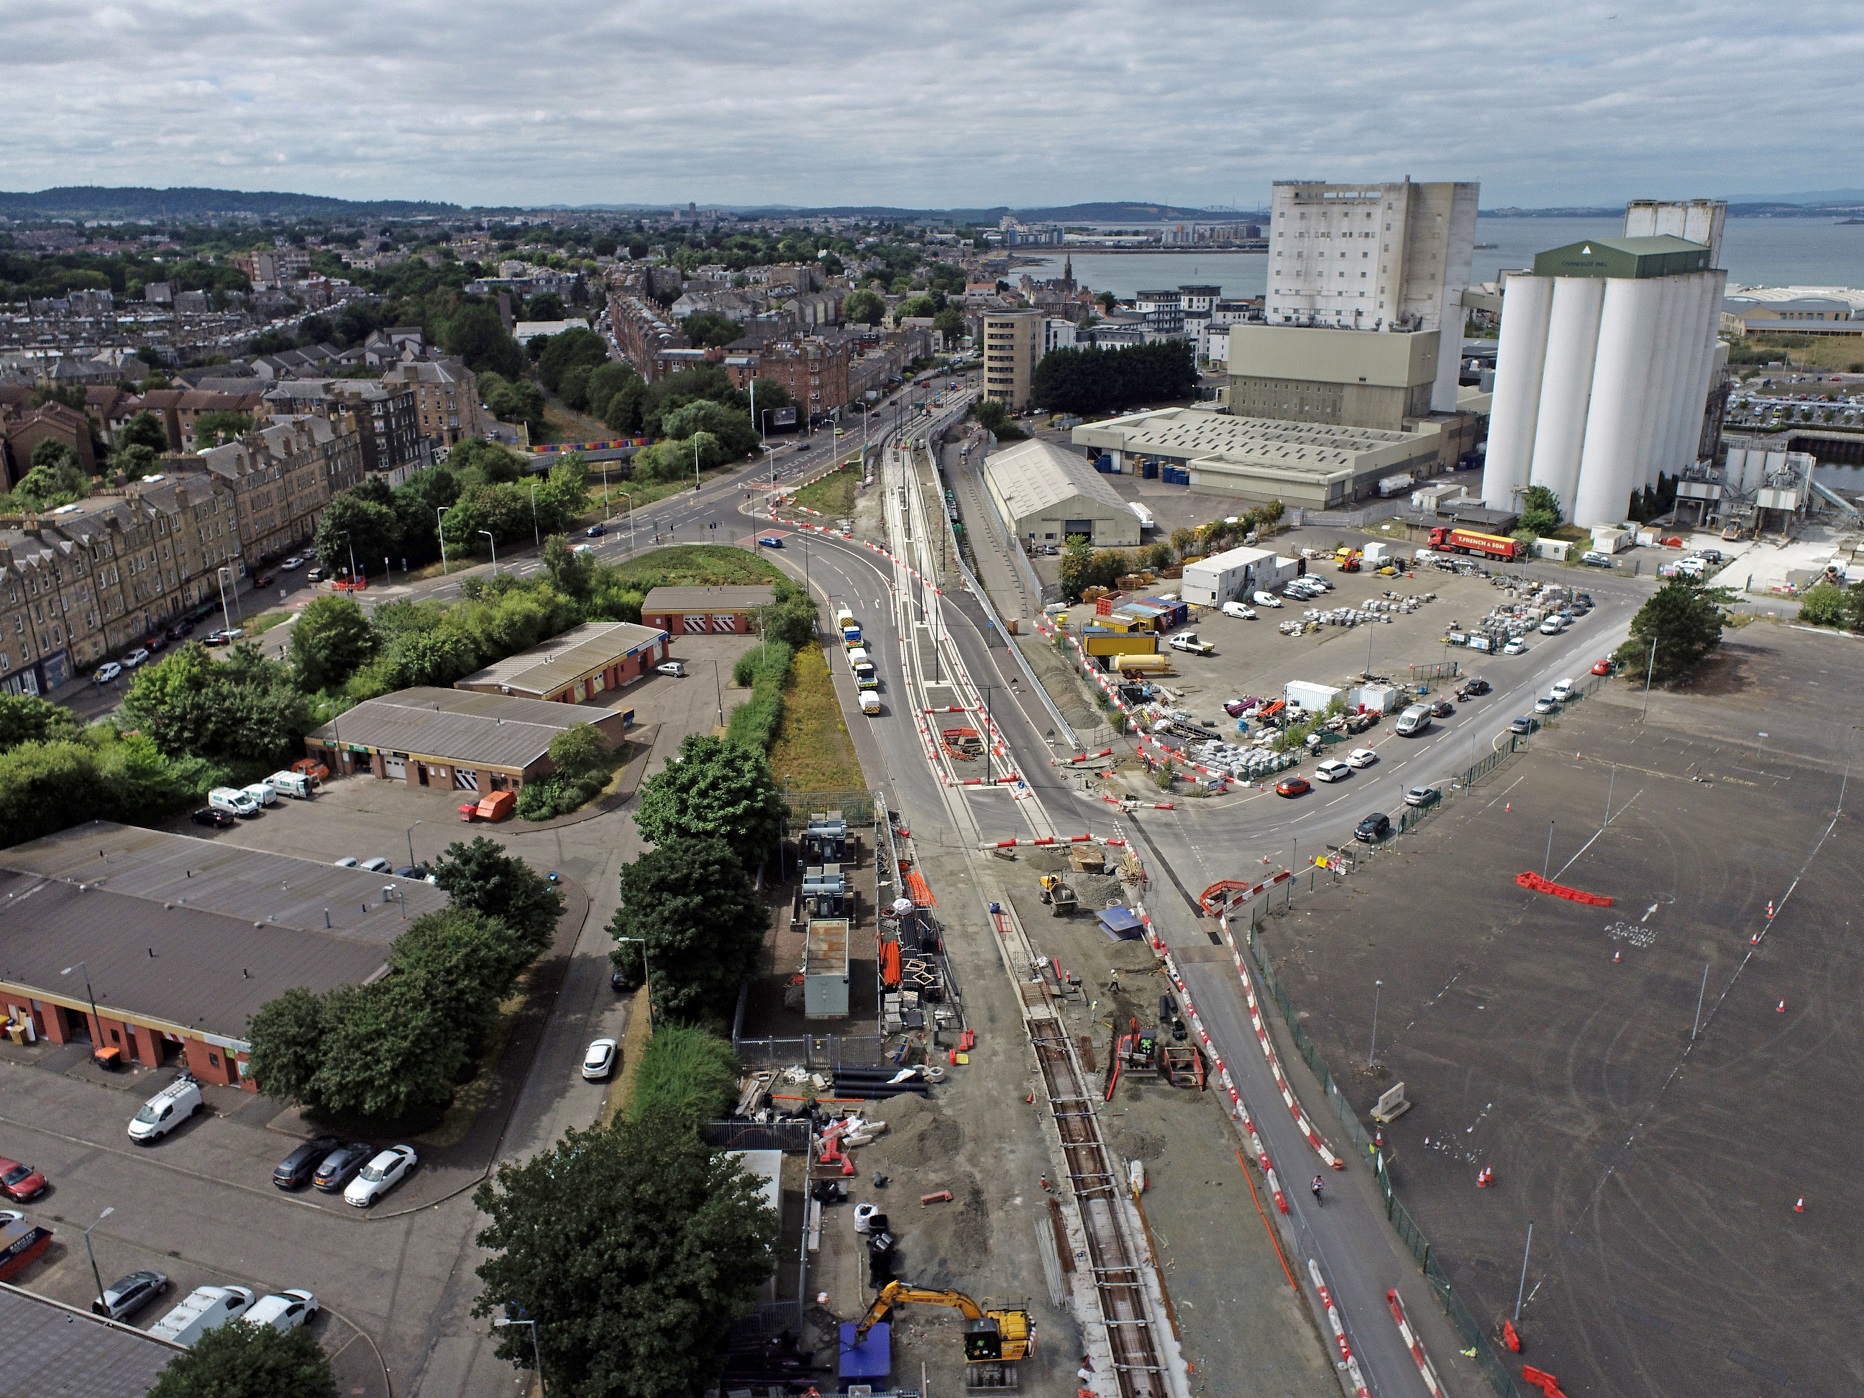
point(218, 819)
point(341, 1166)
point(676, 668)
point(166, 1110)
point(1332, 770)
point(135, 658)
point(599, 1059)
point(106, 672)
point(283, 1310)
point(389, 1168)
point(1374, 827)
point(1422, 796)
point(127, 1295)
point(1361, 757)
point(295, 1170)
point(1292, 786)
point(20, 1183)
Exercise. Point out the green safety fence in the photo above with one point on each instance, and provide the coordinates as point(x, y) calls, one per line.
point(1472, 1334)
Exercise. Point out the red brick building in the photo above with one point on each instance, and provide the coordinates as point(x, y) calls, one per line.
point(698, 611)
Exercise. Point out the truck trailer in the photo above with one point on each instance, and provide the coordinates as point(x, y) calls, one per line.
point(1469, 541)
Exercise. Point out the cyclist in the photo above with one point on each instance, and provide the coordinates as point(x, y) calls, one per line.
point(1316, 1188)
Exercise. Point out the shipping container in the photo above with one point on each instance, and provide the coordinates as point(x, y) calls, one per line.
point(1100, 641)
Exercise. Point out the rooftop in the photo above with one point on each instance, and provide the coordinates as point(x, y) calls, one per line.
point(448, 725)
point(1035, 475)
point(565, 659)
point(739, 598)
point(61, 1352)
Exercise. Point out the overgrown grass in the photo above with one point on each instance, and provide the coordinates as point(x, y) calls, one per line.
point(833, 494)
point(261, 624)
point(765, 671)
point(686, 1071)
point(695, 565)
point(813, 751)
point(633, 1046)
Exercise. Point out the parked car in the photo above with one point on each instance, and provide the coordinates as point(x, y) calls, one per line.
point(1332, 770)
point(292, 564)
point(180, 631)
point(1361, 757)
point(413, 871)
point(156, 642)
point(295, 1170)
point(599, 1059)
point(1563, 689)
point(20, 1183)
point(1292, 786)
point(232, 800)
point(378, 865)
point(341, 1166)
point(1441, 708)
point(1239, 611)
point(1523, 724)
point(127, 1295)
point(676, 668)
point(1515, 646)
point(348, 861)
point(262, 794)
point(1552, 626)
point(1604, 667)
point(315, 575)
point(1592, 558)
point(135, 658)
point(106, 672)
point(263, 579)
point(207, 815)
point(1266, 599)
point(1422, 796)
point(283, 1310)
point(388, 1169)
point(1546, 704)
point(166, 1110)
point(219, 637)
point(1374, 827)
point(204, 1309)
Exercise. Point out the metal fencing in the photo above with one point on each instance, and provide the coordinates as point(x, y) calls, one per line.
point(792, 1136)
point(1472, 1333)
point(813, 1051)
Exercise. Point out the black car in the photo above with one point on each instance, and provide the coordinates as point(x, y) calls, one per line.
point(1441, 708)
point(1374, 827)
point(595, 531)
point(412, 871)
point(341, 1166)
point(207, 815)
point(296, 1169)
point(1475, 687)
point(127, 1295)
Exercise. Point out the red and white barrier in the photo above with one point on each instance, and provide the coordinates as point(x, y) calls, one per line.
point(1424, 1366)
point(1347, 1361)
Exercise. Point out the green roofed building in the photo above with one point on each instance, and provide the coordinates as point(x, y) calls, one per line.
point(1660, 256)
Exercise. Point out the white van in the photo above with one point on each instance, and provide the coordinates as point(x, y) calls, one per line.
point(1562, 690)
point(1239, 611)
point(293, 784)
point(262, 794)
point(1413, 721)
point(165, 1111)
point(232, 800)
point(870, 703)
point(205, 1308)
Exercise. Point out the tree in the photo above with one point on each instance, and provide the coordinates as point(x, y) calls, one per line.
point(482, 877)
point(249, 1361)
point(579, 751)
point(640, 1243)
point(24, 719)
point(572, 572)
point(353, 526)
point(1540, 510)
point(692, 903)
point(605, 381)
point(243, 709)
point(476, 334)
point(144, 429)
point(507, 401)
point(949, 322)
point(863, 308)
point(995, 419)
point(1093, 380)
point(54, 479)
point(713, 788)
point(732, 427)
point(709, 330)
point(1823, 605)
point(1683, 620)
point(287, 1037)
point(389, 1051)
point(331, 640)
point(220, 426)
point(579, 345)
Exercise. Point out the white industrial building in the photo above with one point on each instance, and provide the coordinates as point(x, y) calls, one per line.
point(1050, 495)
point(1374, 257)
point(1234, 574)
point(1606, 356)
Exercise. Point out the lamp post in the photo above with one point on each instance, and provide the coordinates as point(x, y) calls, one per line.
point(718, 685)
point(96, 1276)
point(494, 543)
point(1547, 863)
point(626, 495)
point(1650, 668)
point(440, 528)
point(97, 1028)
point(411, 844)
point(226, 616)
point(537, 1358)
point(348, 544)
point(537, 538)
point(695, 463)
point(646, 976)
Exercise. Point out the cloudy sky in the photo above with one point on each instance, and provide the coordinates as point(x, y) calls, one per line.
point(933, 102)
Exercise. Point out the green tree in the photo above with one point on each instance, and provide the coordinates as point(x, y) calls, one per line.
point(54, 479)
point(572, 572)
point(476, 334)
point(605, 381)
point(579, 751)
point(243, 709)
point(1683, 620)
point(1824, 605)
point(1540, 510)
point(642, 1244)
point(144, 429)
point(329, 642)
point(713, 788)
point(135, 461)
point(863, 308)
point(249, 1361)
point(218, 427)
point(287, 1037)
point(389, 1051)
point(484, 878)
point(1092, 380)
point(995, 419)
point(1076, 555)
point(509, 401)
point(950, 323)
point(730, 426)
point(24, 719)
point(693, 904)
point(353, 525)
point(709, 330)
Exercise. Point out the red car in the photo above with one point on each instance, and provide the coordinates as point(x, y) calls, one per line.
point(1603, 667)
point(1292, 786)
point(20, 1182)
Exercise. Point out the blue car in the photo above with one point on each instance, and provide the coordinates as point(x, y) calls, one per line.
point(769, 541)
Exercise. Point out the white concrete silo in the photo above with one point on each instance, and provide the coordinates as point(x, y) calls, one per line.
point(1610, 466)
point(1520, 360)
point(1566, 384)
point(1699, 367)
point(1660, 390)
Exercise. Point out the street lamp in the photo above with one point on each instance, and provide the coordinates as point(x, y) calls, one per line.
point(695, 463)
point(494, 542)
point(226, 616)
point(629, 497)
point(440, 527)
point(537, 538)
point(537, 1358)
point(646, 976)
point(719, 686)
point(96, 1276)
point(97, 1026)
point(1372, 1048)
point(411, 844)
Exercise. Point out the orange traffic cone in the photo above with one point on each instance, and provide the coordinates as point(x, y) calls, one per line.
point(1614, 958)
point(1780, 1008)
point(1799, 1205)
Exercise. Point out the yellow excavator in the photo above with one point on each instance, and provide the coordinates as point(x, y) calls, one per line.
point(994, 1337)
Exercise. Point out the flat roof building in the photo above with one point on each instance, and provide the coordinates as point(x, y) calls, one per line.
point(695, 611)
point(50, 1348)
point(1050, 495)
point(1310, 465)
point(581, 663)
point(453, 739)
point(183, 939)
point(1013, 346)
point(1321, 374)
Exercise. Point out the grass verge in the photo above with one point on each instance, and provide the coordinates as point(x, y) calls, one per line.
point(260, 624)
point(695, 565)
point(634, 1043)
point(833, 494)
point(813, 750)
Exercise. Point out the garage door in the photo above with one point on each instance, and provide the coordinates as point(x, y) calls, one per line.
point(695, 625)
point(1083, 527)
point(397, 767)
point(464, 780)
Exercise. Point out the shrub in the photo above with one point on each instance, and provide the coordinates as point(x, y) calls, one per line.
point(686, 1072)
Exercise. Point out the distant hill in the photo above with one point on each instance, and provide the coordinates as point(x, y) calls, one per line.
point(1830, 205)
point(1116, 211)
point(100, 202)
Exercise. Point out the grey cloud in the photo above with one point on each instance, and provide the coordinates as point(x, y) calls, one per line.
point(930, 104)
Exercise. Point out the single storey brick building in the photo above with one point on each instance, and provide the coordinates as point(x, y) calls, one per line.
point(698, 611)
point(578, 665)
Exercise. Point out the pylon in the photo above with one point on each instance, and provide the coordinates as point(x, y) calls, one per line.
point(1780, 1008)
point(1799, 1204)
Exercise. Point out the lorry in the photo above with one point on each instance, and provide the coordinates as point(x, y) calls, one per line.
point(206, 1308)
point(1140, 664)
point(1143, 515)
point(1188, 642)
point(1469, 541)
point(495, 805)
